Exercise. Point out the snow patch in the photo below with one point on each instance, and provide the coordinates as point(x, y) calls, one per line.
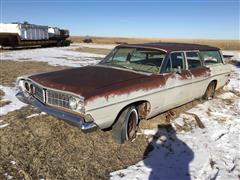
point(13, 162)
point(3, 125)
point(9, 177)
point(35, 114)
point(14, 104)
point(64, 56)
point(101, 46)
point(227, 95)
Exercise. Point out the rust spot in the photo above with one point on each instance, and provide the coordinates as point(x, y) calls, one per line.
point(185, 75)
point(201, 72)
point(96, 81)
point(145, 83)
point(182, 76)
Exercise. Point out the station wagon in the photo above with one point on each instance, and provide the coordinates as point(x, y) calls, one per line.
point(132, 83)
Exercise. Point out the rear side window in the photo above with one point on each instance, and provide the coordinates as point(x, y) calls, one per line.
point(177, 60)
point(193, 60)
point(211, 57)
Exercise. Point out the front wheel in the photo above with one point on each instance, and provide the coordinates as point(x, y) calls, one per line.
point(126, 126)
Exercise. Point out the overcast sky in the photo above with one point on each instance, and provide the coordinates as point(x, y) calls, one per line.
point(215, 19)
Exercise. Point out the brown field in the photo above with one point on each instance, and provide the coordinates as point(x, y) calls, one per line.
point(10, 70)
point(223, 44)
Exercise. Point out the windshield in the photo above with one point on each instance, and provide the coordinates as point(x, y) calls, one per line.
point(139, 59)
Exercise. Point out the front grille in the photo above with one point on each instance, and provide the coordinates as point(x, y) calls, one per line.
point(38, 93)
point(58, 99)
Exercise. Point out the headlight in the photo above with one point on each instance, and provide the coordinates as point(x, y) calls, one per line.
point(73, 103)
point(76, 104)
point(80, 106)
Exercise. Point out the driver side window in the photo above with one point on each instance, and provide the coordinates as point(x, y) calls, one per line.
point(122, 55)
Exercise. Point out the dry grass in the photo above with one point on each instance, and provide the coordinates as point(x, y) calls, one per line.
point(10, 70)
point(45, 147)
point(223, 44)
point(3, 103)
point(1, 94)
point(93, 50)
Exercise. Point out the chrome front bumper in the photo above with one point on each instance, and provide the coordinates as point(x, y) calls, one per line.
point(66, 116)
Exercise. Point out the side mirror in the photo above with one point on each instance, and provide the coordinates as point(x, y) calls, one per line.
point(179, 70)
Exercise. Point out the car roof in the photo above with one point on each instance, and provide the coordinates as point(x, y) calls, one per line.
point(169, 47)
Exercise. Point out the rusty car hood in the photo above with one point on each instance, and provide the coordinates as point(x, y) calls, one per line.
point(92, 81)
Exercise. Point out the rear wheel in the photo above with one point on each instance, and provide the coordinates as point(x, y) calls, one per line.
point(126, 126)
point(210, 92)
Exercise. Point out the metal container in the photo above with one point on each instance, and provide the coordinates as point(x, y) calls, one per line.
point(33, 32)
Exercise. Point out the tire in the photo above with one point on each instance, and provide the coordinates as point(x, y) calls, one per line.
point(210, 92)
point(126, 126)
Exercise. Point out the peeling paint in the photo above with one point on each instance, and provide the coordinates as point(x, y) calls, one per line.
point(201, 72)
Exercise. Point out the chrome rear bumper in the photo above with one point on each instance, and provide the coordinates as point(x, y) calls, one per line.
point(66, 116)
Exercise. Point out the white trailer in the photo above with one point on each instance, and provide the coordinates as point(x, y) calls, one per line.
point(25, 34)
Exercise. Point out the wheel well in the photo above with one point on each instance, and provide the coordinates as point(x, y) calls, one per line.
point(143, 109)
point(215, 83)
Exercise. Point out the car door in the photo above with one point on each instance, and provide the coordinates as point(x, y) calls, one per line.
point(200, 74)
point(178, 80)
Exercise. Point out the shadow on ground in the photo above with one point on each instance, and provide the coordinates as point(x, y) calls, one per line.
point(167, 156)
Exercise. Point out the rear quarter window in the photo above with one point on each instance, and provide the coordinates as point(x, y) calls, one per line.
point(211, 57)
point(193, 60)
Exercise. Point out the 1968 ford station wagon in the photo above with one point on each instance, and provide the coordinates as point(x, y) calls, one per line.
point(133, 82)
